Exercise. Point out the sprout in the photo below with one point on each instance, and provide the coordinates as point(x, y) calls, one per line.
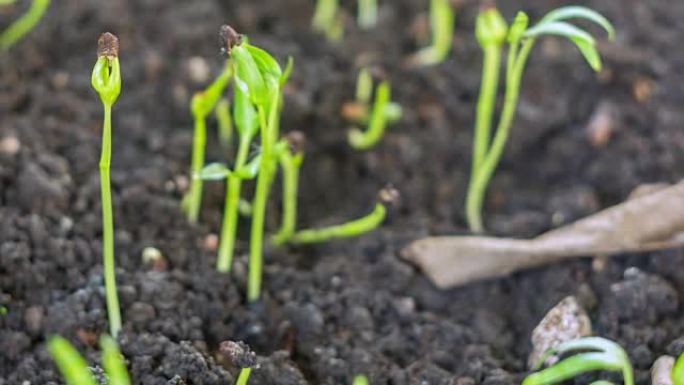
point(106, 80)
point(327, 19)
point(201, 106)
point(384, 111)
point(360, 380)
point(24, 24)
point(387, 198)
point(492, 33)
point(74, 367)
point(678, 371)
point(368, 13)
point(598, 354)
point(442, 28)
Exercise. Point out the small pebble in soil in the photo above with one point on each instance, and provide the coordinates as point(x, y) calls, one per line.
point(660, 373)
point(239, 354)
point(198, 70)
point(10, 146)
point(564, 322)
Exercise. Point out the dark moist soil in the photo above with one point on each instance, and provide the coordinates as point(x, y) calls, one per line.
point(350, 307)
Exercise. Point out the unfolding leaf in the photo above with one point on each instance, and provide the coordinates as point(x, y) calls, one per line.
point(245, 114)
point(248, 75)
point(268, 66)
point(214, 171)
point(649, 222)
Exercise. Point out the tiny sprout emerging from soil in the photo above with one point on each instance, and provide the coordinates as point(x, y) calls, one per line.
point(242, 357)
point(492, 33)
point(74, 367)
point(442, 29)
point(360, 380)
point(595, 354)
point(384, 111)
point(368, 13)
point(290, 158)
point(678, 371)
point(328, 20)
point(106, 80)
point(24, 24)
point(387, 198)
point(201, 106)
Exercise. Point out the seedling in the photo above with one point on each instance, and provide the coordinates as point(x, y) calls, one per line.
point(291, 158)
point(678, 371)
point(24, 24)
point(106, 80)
point(387, 198)
point(368, 13)
point(360, 380)
point(442, 30)
point(202, 105)
point(74, 367)
point(492, 33)
point(596, 354)
point(383, 112)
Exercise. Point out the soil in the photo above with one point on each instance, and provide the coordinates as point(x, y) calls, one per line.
point(348, 307)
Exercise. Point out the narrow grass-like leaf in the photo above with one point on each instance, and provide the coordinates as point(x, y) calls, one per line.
point(678, 371)
point(571, 367)
point(559, 28)
point(69, 361)
point(589, 52)
point(113, 362)
point(579, 12)
point(287, 71)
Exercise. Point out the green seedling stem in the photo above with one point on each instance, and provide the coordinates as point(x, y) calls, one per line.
point(327, 19)
point(70, 363)
point(678, 371)
point(360, 380)
point(74, 367)
point(442, 29)
point(106, 80)
point(225, 123)
point(24, 24)
point(592, 354)
point(291, 158)
point(201, 106)
point(491, 32)
point(243, 377)
point(368, 13)
point(386, 198)
point(360, 140)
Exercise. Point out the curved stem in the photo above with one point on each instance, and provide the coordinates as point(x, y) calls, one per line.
point(290, 165)
point(347, 230)
point(24, 24)
point(112, 298)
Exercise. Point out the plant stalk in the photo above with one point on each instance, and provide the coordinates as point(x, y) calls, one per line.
point(195, 193)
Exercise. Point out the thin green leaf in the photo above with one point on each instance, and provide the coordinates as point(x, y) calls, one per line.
point(587, 343)
point(559, 28)
point(579, 12)
point(590, 53)
point(248, 76)
point(573, 366)
point(70, 363)
point(287, 72)
point(678, 371)
point(518, 27)
point(113, 362)
point(214, 171)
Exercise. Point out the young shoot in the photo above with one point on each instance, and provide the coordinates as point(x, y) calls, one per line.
point(442, 30)
point(241, 356)
point(383, 112)
point(24, 24)
point(74, 367)
point(592, 354)
point(327, 19)
point(492, 33)
point(290, 158)
point(360, 380)
point(678, 371)
point(368, 13)
point(106, 80)
point(387, 198)
point(201, 106)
